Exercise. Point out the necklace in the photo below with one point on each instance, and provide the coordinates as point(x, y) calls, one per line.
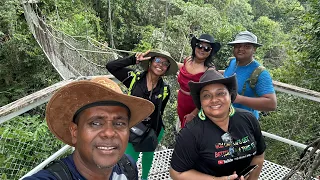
point(237, 63)
point(249, 63)
point(151, 90)
point(152, 86)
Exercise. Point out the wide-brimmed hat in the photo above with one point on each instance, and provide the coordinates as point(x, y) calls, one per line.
point(245, 37)
point(172, 69)
point(208, 39)
point(212, 77)
point(69, 99)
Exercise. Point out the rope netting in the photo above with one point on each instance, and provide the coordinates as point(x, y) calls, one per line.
point(72, 56)
point(309, 162)
point(30, 142)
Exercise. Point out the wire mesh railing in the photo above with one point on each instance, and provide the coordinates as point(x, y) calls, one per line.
point(25, 141)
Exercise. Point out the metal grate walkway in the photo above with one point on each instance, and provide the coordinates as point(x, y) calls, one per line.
point(161, 164)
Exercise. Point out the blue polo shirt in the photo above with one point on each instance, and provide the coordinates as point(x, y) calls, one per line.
point(264, 84)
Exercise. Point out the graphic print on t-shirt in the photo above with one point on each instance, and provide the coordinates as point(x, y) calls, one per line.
point(236, 150)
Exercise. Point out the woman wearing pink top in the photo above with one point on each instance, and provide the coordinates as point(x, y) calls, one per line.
point(192, 69)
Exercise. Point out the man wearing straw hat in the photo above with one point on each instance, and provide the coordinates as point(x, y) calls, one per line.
point(94, 117)
point(255, 88)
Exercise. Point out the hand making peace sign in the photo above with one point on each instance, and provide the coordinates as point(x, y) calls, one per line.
point(140, 56)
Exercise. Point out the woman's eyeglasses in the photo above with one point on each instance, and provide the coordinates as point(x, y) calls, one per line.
point(164, 63)
point(205, 48)
point(227, 139)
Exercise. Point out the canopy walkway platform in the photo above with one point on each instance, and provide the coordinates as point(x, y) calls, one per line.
point(77, 58)
point(162, 157)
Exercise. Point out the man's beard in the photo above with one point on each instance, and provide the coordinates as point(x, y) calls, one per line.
point(107, 167)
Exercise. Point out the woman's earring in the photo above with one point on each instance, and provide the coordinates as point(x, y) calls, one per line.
point(201, 115)
point(231, 111)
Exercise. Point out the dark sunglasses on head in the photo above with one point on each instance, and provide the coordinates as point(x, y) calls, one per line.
point(164, 63)
point(205, 48)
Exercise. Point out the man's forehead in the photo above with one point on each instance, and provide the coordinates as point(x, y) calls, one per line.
point(106, 111)
point(113, 109)
point(244, 44)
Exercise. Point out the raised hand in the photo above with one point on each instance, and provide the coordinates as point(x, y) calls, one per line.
point(140, 56)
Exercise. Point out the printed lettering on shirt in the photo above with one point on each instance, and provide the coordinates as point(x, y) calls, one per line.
point(245, 156)
point(220, 145)
point(220, 162)
point(240, 148)
point(241, 141)
point(221, 153)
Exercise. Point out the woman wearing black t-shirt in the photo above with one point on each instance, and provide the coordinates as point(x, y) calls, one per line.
point(221, 141)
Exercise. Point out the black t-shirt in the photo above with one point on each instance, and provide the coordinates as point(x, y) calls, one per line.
point(199, 145)
point(119, 68)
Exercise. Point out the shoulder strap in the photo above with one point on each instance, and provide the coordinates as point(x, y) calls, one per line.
point(164, 92)
point(253, 79)
point(229, 61)
point(136, 76)
point(254, 76)
point(60, 170)
point(128, 168)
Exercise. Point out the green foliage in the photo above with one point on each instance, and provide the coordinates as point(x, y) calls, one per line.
point(75, 18)
point(270, 34)
point(143, 46)
point(23, 67)
point(310, 44)
point(296, 119)
point(284, 11)
point(170, 117)
point(19, 76)
point(303, 64)
point(28, 133)
point(128, 19)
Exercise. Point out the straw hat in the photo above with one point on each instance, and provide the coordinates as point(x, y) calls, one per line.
point(69, 99)
point(212, 77)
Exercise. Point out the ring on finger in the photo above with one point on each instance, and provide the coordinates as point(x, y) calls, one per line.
point(228, 178)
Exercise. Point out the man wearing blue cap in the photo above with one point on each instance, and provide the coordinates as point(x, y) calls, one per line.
point(255, 89)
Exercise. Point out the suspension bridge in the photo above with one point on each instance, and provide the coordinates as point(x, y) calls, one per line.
point(77, 58)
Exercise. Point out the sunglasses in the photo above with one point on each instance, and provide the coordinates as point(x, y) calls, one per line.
point(227, 139)
point(164, 63)
point(205, 48)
